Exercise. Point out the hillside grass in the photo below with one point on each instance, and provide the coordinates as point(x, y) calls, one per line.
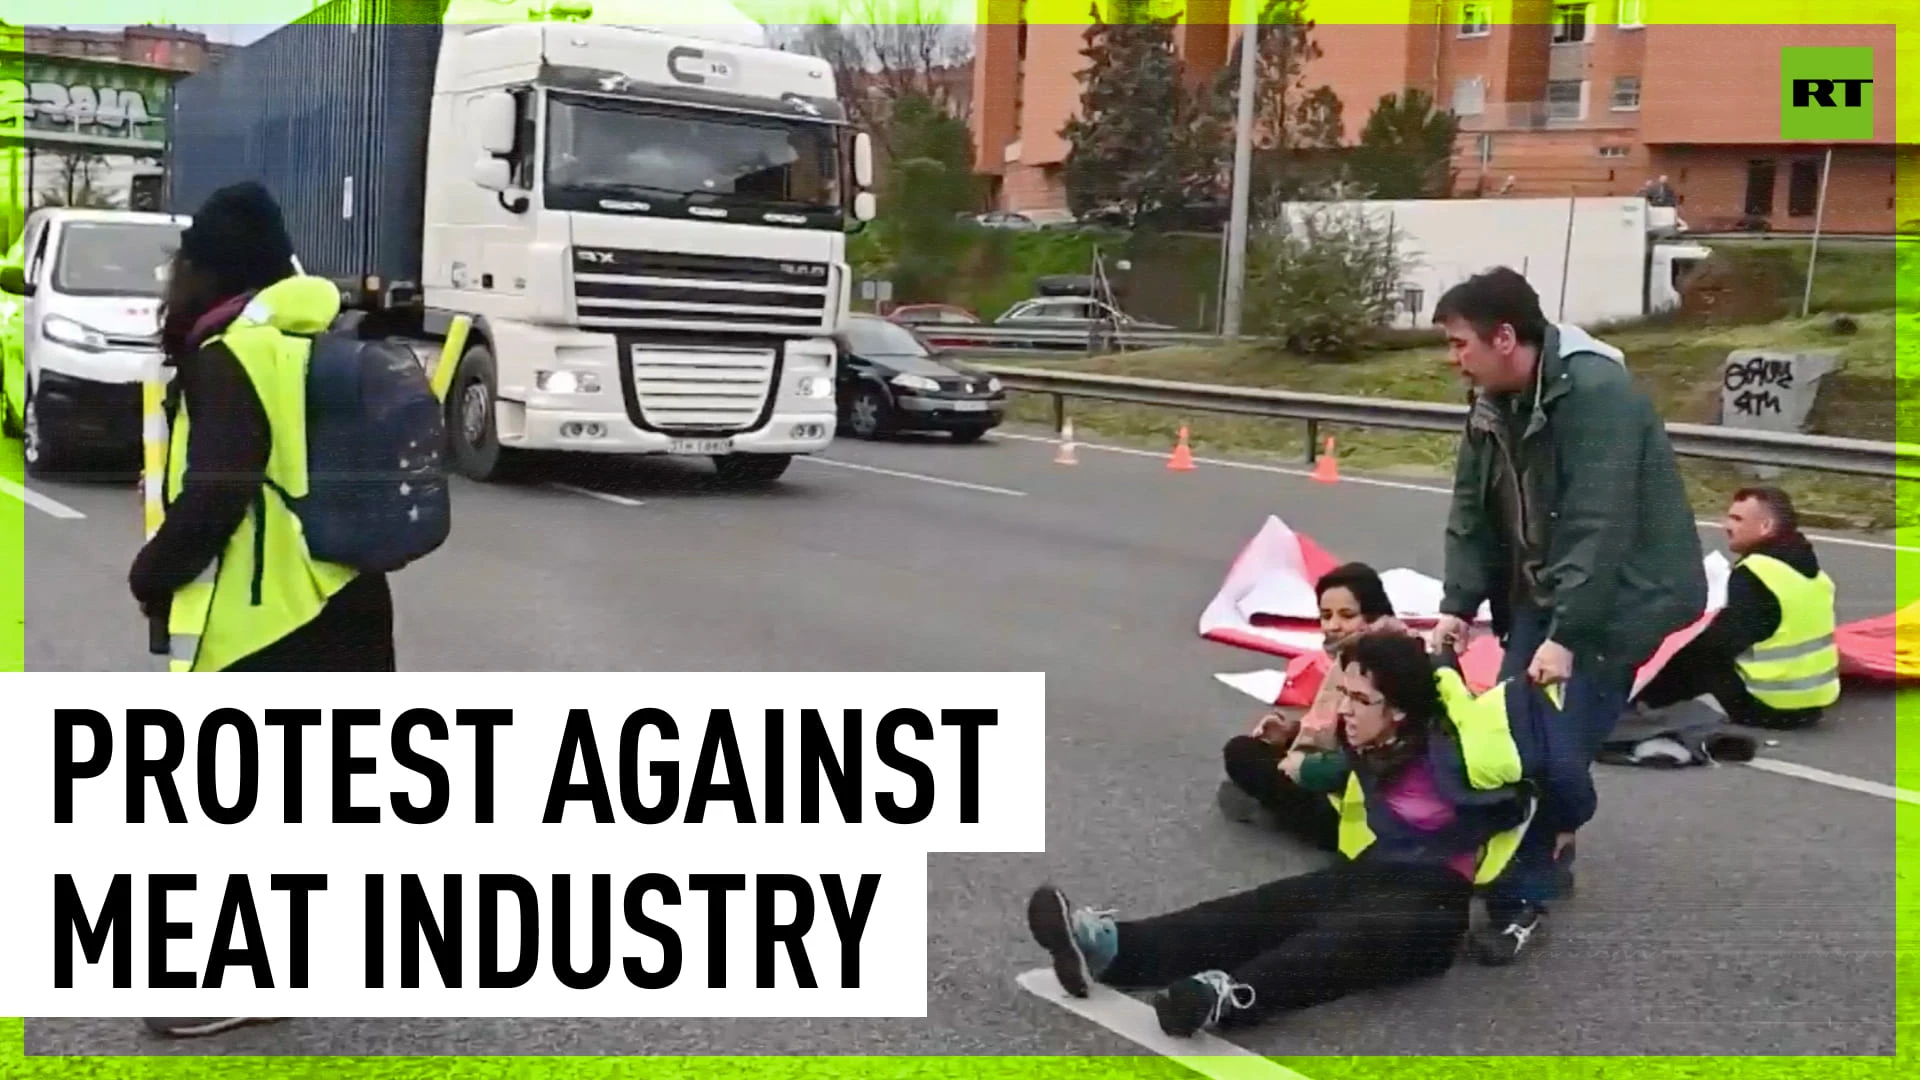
point(1869, 395)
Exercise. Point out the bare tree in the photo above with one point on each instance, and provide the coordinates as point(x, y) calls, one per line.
point(885, 50)
point(76, 183)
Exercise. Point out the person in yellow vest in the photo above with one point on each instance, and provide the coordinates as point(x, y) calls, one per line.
point(1769, 656)
point(228, 568)
point(1435, 790)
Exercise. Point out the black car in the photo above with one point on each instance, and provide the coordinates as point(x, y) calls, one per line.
point(890, 381)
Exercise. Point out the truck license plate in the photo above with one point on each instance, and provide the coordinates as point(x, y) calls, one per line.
point(700, 447)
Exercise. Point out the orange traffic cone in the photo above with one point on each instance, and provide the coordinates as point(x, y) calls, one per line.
point(1327, 469)
point(1066, 455)
point(1182, 458)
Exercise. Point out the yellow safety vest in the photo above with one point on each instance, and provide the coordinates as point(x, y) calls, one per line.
point(1492, 760)
point(264, 585)
point(1799, 666)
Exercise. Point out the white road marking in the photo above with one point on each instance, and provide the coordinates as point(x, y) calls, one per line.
point(1205, 1053)
point(1833, 779)
point(1401, 485)
point(603, 496)
point(50, 507)
point(922, 477)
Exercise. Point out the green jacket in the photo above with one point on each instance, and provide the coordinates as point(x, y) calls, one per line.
point(1605, 537)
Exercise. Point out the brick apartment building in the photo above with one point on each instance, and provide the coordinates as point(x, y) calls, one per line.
point(1581, 97)
point(169, 47)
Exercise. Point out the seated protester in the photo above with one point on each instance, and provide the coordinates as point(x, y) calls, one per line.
point(1768, 657)
point(1353, 601)
point(1434, 795)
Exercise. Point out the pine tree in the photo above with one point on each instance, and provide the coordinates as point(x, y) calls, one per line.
point(1406, 148)
point(1141, 143)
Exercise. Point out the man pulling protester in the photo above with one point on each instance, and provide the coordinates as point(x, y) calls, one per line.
point(1570, 519)
point(1433, 794)
point(1769, 656)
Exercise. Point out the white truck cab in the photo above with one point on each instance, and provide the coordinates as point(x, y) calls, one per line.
point(91, 284)
point(649, 232)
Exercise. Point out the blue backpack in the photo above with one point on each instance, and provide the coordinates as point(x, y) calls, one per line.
point(377, 495)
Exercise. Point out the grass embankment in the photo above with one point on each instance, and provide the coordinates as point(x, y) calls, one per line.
point(1678, 364)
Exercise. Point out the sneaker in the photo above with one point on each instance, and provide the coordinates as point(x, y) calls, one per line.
point(1200, 1001)
point(196, 1027)
point(1503, 940)
point(1082, 942)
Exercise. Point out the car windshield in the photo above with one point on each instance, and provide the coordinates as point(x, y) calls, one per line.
point(637, 151)
point(878, 337)
point(102, 258)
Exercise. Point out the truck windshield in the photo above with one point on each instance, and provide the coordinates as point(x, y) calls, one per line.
point(616, 155)
point(101, 258)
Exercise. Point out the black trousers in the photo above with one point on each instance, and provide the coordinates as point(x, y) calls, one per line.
point(1306, 940)
point(1694, 671)
point(1253, 766)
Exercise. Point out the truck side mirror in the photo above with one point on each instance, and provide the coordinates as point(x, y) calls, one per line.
point(863, 160)
point(493, 174)
point(493, 118)
point(13, 279)
point(865, 207)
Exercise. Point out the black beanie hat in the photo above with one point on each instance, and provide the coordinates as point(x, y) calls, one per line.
point(240, 238)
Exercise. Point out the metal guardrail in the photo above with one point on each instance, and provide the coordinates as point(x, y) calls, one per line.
point(972, 336)
point(1822, 453)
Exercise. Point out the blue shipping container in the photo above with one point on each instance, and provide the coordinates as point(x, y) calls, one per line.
point(330, 113)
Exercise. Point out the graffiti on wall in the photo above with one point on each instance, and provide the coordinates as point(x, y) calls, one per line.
point(99, 105)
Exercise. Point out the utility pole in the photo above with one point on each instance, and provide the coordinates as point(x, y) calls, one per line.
point(1242, 173)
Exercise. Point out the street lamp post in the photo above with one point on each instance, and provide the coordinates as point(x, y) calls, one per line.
point(1242, 173)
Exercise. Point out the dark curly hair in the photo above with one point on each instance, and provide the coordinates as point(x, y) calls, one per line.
point(1403, 673)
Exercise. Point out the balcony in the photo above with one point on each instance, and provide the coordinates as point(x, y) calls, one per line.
point(1546, 116)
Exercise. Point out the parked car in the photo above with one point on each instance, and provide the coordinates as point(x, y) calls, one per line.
point(935, 323)
point(890, 381)
point(13, 349)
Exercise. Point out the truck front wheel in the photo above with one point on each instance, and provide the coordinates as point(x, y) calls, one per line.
point(751, 470)
point(471, 428)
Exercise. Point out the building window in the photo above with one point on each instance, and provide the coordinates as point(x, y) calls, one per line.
point(1626, 93)
point(1803, 188)
point(1476, 19)
point(1570, 24)
point(1469, 96)
point(1633, 14)
point(1613, 151)
point(1567, 100)
point(1486, 149)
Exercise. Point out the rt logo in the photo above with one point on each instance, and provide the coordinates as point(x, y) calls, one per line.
point(1826, 94)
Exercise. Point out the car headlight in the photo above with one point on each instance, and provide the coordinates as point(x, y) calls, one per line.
point(916, 382)
point(993, 384)
point(566, 382)
point(73, 334)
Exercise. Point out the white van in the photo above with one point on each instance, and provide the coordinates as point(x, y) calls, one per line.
point(91, 285)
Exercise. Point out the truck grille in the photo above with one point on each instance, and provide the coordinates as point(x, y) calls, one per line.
point(625, 289)
point(698, 387)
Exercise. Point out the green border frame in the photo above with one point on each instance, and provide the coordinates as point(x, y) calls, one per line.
point(14, 1062)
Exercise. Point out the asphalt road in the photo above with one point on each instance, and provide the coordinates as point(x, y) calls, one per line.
point(1721, 911)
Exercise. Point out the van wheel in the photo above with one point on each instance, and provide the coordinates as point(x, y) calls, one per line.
point(472, 426)
point(12, 426)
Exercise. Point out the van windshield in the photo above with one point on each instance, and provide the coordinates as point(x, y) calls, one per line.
point(114, 258)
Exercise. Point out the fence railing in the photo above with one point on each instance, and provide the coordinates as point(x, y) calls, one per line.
point(968, 336)
point(1823, 453)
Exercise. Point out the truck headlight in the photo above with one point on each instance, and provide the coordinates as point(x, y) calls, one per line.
point(73, 334)
point(566, 382)
point(813, 386)
point(916, 382)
